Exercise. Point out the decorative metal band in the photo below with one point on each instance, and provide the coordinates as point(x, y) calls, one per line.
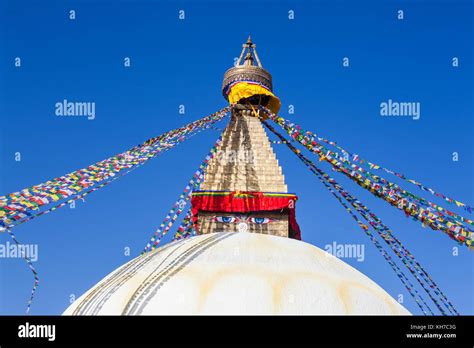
point(247, 73)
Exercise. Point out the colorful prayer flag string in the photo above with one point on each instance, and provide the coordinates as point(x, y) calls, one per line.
point(183, 199)
point(405, 256)
point(186, 228)
point(428, 213)
point(19, 207)
point(7, 224)
point(348, 156)
point(32, 268)
point(379, 182)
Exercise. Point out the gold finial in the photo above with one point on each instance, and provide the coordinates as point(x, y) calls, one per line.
point(249, 42)
point(251, 49)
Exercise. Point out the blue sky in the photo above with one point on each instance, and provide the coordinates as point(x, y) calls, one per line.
point(177, 62)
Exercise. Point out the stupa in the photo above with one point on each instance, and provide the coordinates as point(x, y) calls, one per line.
point(247, 256)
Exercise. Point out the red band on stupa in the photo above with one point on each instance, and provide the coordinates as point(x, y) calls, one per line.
point(245, 202)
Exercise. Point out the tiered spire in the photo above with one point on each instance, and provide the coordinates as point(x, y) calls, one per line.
point(244, 188)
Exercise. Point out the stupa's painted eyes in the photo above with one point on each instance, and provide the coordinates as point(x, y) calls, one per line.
point(225, 219)
point(260, 220)
point(232, 219)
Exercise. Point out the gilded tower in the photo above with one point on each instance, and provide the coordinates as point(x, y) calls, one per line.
point(244, 189)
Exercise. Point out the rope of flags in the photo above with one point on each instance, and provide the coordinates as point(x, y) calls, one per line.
point(18, 207)
point(348, 156)
point(182, 201)
point(393, 187)
point(186, 228)
point(31, 267)
point(414, 267)
point(74, 198)
point(429, 214)
point(173, 214)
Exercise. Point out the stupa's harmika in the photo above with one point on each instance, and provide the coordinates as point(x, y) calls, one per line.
point(247, 257)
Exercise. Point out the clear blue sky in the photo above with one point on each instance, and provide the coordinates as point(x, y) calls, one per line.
point(182, 62)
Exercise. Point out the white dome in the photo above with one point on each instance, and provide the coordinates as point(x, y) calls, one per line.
point(236, 273)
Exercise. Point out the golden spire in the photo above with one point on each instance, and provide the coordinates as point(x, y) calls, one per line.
point(245, 69)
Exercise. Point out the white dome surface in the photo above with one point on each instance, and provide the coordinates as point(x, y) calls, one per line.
point(236, 273)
